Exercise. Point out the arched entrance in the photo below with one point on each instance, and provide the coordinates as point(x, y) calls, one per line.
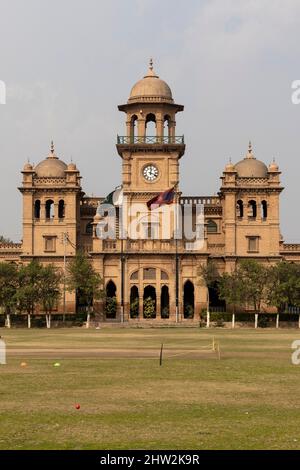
point(149, 307)
point(188, 300)
point(111, 300)
point(164, 302)
point(134, 302)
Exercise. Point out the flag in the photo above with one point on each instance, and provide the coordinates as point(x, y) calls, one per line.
point(115, 198)
point(166, 197)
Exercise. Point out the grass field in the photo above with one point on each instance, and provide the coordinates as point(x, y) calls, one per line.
point(249, 399)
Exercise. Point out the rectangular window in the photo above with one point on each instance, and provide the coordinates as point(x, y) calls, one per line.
point(253, 244)
point(50, 244)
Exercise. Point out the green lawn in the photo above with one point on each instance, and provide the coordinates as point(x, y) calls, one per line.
point(250, 399)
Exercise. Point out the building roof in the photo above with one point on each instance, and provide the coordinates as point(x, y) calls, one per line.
point(151, 89)
point(251, 167)
point(52, 166)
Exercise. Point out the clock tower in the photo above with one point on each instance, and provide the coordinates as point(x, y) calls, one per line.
point(150, 158)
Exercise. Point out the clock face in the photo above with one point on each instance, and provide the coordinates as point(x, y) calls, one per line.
point(150, 173)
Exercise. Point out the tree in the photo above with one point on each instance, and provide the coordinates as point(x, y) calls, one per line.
point(254, 279)
point(284, 286)
point(230, 288)
point(210, 278)
point(49, 289)
point(85, 281)
point(8, 289)
point(29, 288)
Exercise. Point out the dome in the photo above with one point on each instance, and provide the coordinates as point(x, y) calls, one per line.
point(27, 167)
point(229, 167)
point(249, 167)
point(52, 166)
point(151, 88)
point(273, 166)
point(72, 167)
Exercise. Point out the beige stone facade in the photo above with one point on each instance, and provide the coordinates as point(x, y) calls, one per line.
point(241, 222)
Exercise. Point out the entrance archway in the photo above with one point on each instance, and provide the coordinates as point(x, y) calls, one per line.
point(164, 302)
point(134, 302)
point(149, 307)
point(188, 300)
point(111, 300)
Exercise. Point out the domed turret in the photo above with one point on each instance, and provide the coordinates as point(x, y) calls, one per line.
point(28, 167)
point(52, 166)
point(150, 89)
point(273, 167)
point(249, 167)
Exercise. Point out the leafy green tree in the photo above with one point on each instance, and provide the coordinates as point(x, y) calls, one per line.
point(149, 307)
point(49, 289)
point(209, 277)
point(85, 281)
point(8, 289)
point(284, 286)
point(230, 289)
point(254, 283)
point(29, 288)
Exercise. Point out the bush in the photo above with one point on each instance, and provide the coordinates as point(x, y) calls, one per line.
point(219, 323)
point(134, 308)
point(149, 308)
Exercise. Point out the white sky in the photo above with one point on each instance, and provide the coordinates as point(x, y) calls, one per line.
point(67, 64)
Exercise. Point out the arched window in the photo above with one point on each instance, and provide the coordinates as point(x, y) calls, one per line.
point(151, 126)
point(252, 209)
point(188, 300)
point(264, 209)
point(134, 302)
point(240, 208)
point(111, 300)
point(133, 127)
point(89, 229)
point(61, 209)
point(134, 276)
point(164, 275)
point(164, 302)
point(167, 126)
point(37, 209)
point(212, 227)
point(49, 209)
point(149, 310)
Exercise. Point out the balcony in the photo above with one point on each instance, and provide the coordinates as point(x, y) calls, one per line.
point(169, 140)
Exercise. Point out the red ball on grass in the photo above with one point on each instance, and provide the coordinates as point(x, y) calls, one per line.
point(77, 406)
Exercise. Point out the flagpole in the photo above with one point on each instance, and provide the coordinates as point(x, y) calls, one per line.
point(176, 261)
point(122, 269)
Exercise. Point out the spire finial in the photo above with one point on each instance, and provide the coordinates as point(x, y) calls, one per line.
point(52, 147)
point(250, 154)
point(151, 64)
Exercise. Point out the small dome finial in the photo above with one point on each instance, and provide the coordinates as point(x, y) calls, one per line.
point(250, 151)
point(52, 147)
point(151, 64)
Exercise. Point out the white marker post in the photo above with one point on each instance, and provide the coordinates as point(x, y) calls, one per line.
point(256, 320)
point(2, 352)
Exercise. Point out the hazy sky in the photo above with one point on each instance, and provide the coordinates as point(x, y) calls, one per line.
point(67, 64)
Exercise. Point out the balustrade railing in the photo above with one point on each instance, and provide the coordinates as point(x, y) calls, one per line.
point(152, 139)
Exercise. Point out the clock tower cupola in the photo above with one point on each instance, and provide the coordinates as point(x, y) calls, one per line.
point(151, 148)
